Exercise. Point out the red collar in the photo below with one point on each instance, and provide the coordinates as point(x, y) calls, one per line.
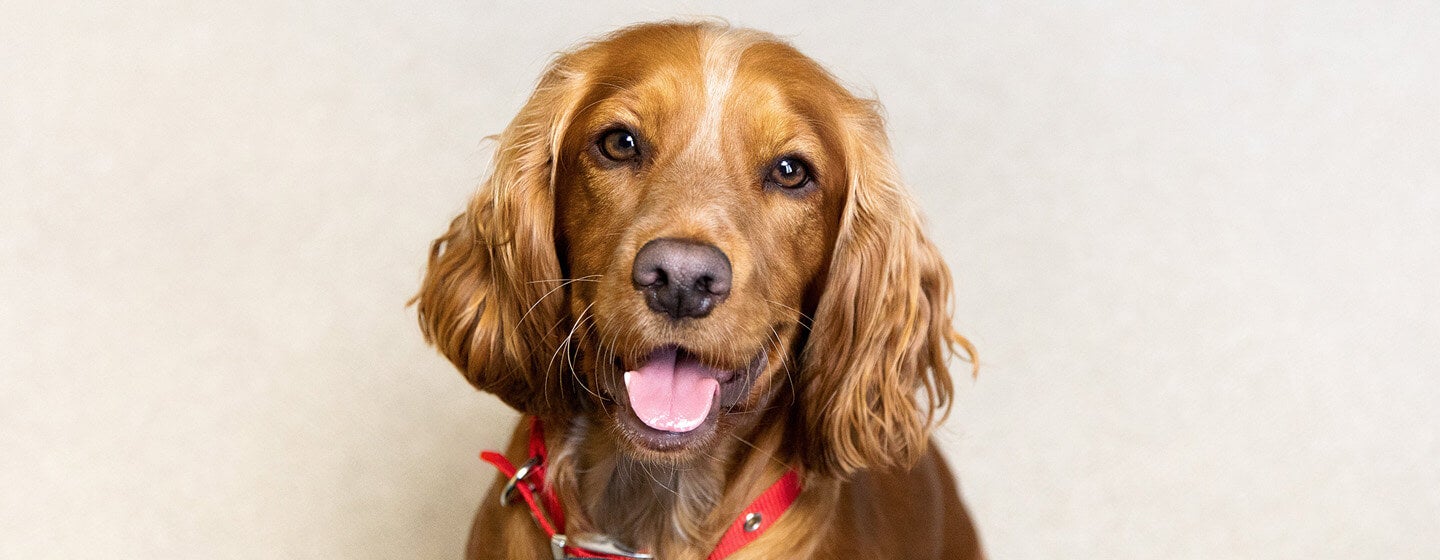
point(529, 480)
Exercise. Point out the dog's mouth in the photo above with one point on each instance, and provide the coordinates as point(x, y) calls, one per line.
point(673, 400)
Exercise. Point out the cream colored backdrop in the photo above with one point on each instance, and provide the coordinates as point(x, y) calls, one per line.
point(1198, 247)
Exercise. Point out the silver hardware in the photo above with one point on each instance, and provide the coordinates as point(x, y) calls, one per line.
point(520, 474)
point(557, 547)
point(752, 522)
point(604, 544)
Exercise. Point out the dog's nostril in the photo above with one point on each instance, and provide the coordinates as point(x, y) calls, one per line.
point(649, 277)
point(716, 286)
point(681, 278)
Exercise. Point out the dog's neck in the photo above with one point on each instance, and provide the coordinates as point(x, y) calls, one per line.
point(673, 510)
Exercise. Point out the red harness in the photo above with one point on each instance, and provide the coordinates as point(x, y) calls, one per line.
point(529, 481)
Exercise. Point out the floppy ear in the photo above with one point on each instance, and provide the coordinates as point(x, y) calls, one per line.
point(882, 329)
point(490, 300)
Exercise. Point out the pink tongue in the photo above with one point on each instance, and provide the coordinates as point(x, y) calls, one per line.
point(669, 394)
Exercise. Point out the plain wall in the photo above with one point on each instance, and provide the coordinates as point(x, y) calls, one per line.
point(1198, 246)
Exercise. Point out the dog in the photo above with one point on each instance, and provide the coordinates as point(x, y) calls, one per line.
point(695, 270)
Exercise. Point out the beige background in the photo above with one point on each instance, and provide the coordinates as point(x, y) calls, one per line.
point(1198, 247)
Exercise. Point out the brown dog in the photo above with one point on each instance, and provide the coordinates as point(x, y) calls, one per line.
point(696, 266)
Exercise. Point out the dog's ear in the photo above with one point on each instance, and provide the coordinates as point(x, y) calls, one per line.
point(882, 332)
point(490, 301)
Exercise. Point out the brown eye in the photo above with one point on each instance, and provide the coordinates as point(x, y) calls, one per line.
point(789, 173)
point(619, 145)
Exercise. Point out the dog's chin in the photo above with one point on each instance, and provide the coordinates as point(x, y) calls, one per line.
point(652, 444)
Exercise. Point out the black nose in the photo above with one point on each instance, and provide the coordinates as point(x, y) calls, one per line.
point(681, 278)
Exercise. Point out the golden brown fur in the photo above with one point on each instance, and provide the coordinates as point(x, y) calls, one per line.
point(836, 291)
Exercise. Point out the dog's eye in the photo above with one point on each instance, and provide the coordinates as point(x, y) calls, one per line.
point(789, 173)
point(619, 145)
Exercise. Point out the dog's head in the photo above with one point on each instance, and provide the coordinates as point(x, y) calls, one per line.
point(690, 229)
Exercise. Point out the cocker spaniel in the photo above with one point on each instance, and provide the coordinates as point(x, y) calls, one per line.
point(695, 270)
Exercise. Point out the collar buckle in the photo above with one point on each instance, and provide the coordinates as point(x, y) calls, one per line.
point(594, 543)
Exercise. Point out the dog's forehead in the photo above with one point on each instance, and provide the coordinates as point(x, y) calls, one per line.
point(686, 73)
point(694, 92)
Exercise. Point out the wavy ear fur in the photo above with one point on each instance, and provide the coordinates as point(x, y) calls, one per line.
point(488, 302)
point(882, 330)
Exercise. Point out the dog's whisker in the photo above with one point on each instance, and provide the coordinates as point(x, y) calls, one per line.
point(590, 278)
point(575, 374)
point(785, 364)
point(645, 467)
point(808, 320)
point(565, 345)
point(563, 283)
point(577, 357)
point(767, 454)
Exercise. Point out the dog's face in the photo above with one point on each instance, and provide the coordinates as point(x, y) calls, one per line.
point(698, 204)
point(685, 223)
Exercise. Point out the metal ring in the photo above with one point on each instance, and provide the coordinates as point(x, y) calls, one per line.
point(520, 475)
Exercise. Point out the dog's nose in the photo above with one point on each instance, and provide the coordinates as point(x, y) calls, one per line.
point(681, 278)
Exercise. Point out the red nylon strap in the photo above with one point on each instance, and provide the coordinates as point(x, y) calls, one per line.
point(771, 503)
point(537, 449)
